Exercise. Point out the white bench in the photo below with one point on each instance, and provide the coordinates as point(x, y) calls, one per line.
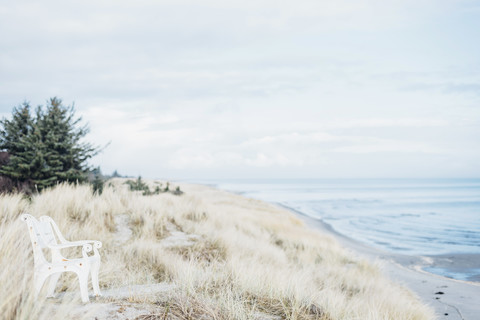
point(44, 234)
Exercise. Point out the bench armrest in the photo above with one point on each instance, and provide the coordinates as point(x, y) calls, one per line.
point(95, 243)
point(87, 246)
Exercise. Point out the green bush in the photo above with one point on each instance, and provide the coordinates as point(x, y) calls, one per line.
point(97, 181)
point(139, 185)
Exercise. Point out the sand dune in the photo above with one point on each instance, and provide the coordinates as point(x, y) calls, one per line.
point(216, 254)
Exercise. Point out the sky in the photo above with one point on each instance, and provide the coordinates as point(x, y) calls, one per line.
point(256, 89)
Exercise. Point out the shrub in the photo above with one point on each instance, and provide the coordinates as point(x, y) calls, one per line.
point(139, 185)
point(97, 180)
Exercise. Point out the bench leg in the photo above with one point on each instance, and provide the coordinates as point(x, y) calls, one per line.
point(39, 281)
point(94, 270)
point(83, 282)
point(52, 283)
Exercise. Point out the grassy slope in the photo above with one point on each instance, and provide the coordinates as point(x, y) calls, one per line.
point(251, 260)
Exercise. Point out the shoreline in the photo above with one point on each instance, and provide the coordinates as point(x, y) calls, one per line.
point(456, 262)
point(450, 298)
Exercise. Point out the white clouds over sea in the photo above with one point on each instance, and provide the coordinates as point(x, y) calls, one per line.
point(211, 89)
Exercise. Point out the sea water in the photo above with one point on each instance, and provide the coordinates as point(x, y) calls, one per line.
point(415, 217)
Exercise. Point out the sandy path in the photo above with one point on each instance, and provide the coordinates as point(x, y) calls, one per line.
point(114, 303)
point(123, 232)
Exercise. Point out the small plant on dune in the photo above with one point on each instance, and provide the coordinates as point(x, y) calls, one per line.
point(97, 181)
point(140, 185)
point(115, 174)
point(177, 191)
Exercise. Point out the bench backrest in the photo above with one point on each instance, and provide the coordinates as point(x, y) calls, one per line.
point(41, 235)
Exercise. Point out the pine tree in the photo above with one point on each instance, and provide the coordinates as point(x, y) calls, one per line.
point(67, 156)
point(47, 148)
point(115, 174)
point(16, 138)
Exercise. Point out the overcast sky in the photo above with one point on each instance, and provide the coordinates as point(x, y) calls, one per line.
point(257, 89)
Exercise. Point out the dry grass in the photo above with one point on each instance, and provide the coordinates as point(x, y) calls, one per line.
point(249, 259)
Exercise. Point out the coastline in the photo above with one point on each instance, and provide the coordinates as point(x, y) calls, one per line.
point(450, 298)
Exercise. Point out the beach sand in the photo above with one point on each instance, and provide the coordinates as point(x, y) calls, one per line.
point(450, 298)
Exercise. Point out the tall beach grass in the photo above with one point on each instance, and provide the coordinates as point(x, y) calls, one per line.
point(243, 258)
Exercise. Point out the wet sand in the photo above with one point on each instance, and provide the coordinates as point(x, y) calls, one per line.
point(450, 298)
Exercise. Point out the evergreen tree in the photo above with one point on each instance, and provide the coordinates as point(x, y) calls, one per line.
point(97, 180)
point(13, 131)
point(115, 174)
point(46, 148)
point(18, 139)
point(67, 156)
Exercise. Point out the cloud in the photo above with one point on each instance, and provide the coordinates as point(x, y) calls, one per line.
point(293, 138)
point(295, 144)
point(460, 80)
point(390, 123)
point(285, 150)
point(278, 159)
point(250, 86)
point(463, 88)
point(382, 146)
point(446, 87)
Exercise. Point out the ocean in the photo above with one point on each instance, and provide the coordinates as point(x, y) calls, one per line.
point(407, 216)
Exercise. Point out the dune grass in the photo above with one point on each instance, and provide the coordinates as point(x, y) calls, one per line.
point(245, 259)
